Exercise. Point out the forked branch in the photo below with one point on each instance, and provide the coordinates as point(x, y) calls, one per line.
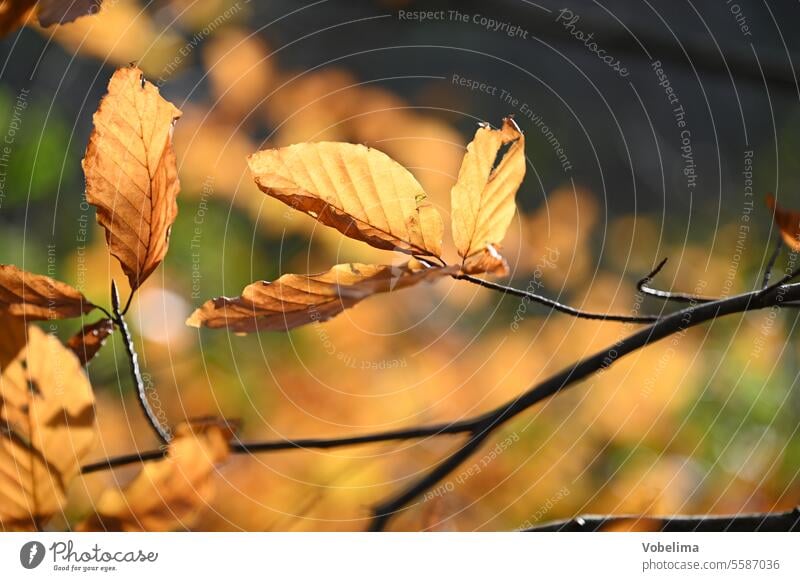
point(479, 428)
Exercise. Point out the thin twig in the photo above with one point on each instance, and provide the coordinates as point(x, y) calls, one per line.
point(757, 522)
point(480, 427)
point(771, 263)
point(239, 447)
point(777, 285)
point(643, 287)
point(555, 305)
point(133, 359)
point(489, 422)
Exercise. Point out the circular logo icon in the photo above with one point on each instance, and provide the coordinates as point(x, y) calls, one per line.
point(31, 554)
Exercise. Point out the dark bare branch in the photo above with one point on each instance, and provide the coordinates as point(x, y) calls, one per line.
point(555, 305)
point(758, 522)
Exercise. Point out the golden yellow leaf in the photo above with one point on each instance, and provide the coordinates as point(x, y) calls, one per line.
point(46, 428)
point(482, 200)
point(294, 300)
point(87, 342)
point(39, 297)
point(788, 222)
point(360, 191)
point(131, 173)
point(169, 493)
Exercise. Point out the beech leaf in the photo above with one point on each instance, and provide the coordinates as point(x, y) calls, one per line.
point(788, 222)
point(39, 297)
point(360, 191)
point(167, 494)
point(294, 299)
point(131, 172)
point(482, 199)
point(46, 428)
point(12, 338)
point(87, 342)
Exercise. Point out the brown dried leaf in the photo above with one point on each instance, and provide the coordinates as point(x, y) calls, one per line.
point(87, 342)
point(120, 33)
point(15, 13)
point(131, 173)
point(360, 191)
point(169, 493)
point(12, 337)
point(51, 12)
point(788, 222)
point(482, 199)
point(39, 297)
point(46, 428)
point(486, 260)
point(294, 300)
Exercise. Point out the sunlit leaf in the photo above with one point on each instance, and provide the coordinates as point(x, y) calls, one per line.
point(39, 297)
point(482, 199)
point(361, 192)
point(294, 300)
point(167, 494)
point(87, 342)
point(131, 173)
point(46, 428)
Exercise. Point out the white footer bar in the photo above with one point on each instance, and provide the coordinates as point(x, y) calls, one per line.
point(399, 556)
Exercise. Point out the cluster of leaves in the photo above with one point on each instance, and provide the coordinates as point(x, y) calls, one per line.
point(367, 196)
point(46, 402)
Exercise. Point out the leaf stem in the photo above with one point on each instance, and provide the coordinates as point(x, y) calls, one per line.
point(161, 432)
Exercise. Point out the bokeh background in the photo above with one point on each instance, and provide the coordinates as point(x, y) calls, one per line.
point(705, 423)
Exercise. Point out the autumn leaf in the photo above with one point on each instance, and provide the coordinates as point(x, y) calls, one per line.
point(294, 300)
point(39, 297)
point(121, 33)
point(360, 191)
point(169, 493)
point(482, 200)
point(46, 428)
point(51, 12)
point(87, 342)
point(788, 222)
point(12, 337)
point(15, 13)
point(131, 173)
